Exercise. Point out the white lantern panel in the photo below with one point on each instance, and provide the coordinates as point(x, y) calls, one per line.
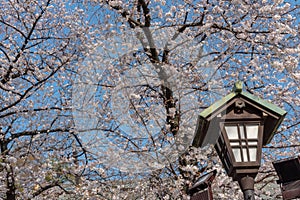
point(252, 143)
point(237, 154)
point(245, 155)
point(234, 143)
point(232, 132)
point(252, 131)
point(226, 163)
point(242, 132)
point(252, 152)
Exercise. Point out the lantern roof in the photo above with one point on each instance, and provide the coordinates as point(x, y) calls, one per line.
point(288, 169)
point(203, 182)
point(206, 131)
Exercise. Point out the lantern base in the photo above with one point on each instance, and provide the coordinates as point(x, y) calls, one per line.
point(249, 195)
point(247, 185)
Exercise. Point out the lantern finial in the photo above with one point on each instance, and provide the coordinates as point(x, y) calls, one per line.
point(238, 87)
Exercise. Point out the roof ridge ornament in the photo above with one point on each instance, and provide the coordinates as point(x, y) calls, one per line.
point(238, 87)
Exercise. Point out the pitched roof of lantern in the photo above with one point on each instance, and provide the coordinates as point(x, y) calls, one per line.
point(238, 90)
point(205, 117)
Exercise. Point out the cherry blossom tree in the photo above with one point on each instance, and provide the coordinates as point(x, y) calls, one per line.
point(99, 99)
point(164, 61)
point(39, 43)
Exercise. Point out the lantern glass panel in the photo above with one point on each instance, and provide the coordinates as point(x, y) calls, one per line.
point(252, 143)
point(253, 153)
point(245, 155)
point(237, 154)
point(242, 132)
point(234, 143)
point(252, 131)
point(226, 162)
point(243, 139)
point(232, 132)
